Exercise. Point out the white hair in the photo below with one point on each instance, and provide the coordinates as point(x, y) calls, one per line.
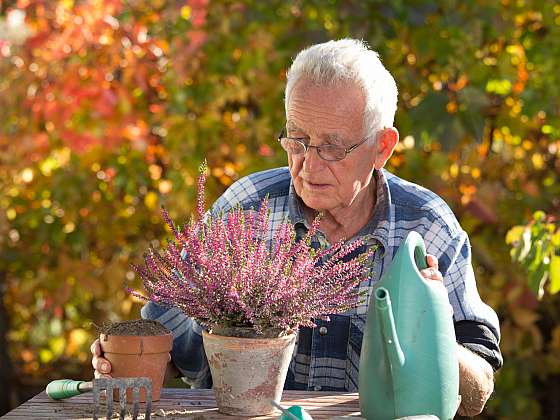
point(349, 61)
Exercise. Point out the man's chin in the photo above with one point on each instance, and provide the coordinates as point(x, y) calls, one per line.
point(315, 203)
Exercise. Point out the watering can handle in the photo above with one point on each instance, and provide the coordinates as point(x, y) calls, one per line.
point(414, 244)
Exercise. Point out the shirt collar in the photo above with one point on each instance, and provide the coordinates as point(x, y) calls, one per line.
point(296, 207)
point(376, 230)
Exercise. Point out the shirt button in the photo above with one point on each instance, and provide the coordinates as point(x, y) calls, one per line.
point(323, 330)
point(317, 388)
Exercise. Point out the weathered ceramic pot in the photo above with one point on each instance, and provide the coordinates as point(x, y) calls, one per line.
point(248, 373)
point(138, 356)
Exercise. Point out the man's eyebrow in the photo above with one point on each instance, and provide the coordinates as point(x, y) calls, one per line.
point(331, 138)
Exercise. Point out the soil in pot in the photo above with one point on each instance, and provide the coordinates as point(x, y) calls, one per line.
point(138, 348)
point(142, 327)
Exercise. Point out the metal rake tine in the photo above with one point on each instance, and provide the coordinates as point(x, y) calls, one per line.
point(109, 390)
point(122, 399)
point(135, 401)
point(148, 385)
point(95, 398)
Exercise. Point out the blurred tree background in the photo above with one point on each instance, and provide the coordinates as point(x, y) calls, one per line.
point(107, 107)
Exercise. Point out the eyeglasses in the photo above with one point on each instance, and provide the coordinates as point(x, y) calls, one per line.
point(328, 152)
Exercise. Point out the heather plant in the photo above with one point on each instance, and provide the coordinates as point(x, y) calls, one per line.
point(222, 271)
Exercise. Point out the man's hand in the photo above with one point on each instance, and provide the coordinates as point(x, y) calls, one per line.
point(476, 382)
point(432, 272)
point(101, 366)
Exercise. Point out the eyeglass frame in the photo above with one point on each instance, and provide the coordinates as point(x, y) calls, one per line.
point(284, 135)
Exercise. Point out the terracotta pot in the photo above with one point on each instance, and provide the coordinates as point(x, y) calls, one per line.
point(248, 373)
point(137, 356)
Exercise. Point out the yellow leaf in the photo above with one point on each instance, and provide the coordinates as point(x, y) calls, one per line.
point(555, 239)
point(11, 214)
point(555, 273)
point(151, 200)
point(57, 345)
point(186, 12)
point(45, 356)
point(514, 234)
point(76, 339)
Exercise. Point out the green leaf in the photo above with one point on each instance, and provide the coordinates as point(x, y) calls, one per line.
point(537, 279)
point(539, 216)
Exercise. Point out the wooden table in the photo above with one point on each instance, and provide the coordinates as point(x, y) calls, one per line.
point(187, 404)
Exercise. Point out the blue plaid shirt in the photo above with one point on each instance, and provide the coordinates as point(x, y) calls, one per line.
point(327, 357)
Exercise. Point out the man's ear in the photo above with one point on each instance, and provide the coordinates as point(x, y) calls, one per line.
point(386, 141)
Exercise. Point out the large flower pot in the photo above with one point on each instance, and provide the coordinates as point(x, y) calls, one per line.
point(137, 356)
point(248, 373)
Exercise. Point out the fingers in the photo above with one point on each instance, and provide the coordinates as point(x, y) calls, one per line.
point(168, 357)
point(432, 272)
point(103, 368)
point(432, 261)
point(466, 410)
point(97, 375)
point(95, 348)
point(101, 364)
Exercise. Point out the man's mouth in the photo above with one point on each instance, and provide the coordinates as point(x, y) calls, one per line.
point(315, 185)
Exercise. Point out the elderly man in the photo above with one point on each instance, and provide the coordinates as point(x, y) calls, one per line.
point(340, 104)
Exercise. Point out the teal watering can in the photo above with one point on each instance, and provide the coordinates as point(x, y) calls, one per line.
point(408, 362)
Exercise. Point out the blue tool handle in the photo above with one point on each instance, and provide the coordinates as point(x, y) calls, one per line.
point(63, 388)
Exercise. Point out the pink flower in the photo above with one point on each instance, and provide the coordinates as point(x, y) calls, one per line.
point(221, 271)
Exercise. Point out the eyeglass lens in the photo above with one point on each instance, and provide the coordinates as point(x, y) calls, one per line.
point(327, 151)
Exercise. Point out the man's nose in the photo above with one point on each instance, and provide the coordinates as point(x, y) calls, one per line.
point(311, 160)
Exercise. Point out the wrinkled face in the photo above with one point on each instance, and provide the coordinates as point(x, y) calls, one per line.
point(329, 115)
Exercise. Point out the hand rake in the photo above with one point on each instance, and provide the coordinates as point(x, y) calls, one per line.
point(65, 388)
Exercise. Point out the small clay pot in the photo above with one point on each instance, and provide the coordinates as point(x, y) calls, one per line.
point(248, 373)
point(138, 356)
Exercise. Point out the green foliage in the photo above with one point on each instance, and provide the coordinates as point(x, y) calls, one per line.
point(537, 247)
point(108, 107)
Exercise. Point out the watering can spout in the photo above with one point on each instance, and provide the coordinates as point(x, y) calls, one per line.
point(390, 338)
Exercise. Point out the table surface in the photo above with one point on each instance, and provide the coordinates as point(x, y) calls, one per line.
point(187, 403)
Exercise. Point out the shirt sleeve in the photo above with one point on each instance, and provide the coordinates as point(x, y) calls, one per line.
point(476, 324)
point(479, 339)
point(188, 352)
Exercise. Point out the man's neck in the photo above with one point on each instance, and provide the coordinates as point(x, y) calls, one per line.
point(346, 222)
